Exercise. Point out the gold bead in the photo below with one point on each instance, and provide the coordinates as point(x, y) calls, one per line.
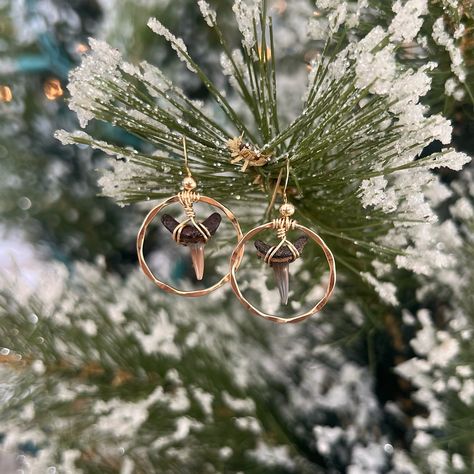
point(287, 209)
point(189, 184)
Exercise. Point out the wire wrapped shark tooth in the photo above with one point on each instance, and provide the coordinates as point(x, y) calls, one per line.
point(189, 234)
point(280, 262)
point(191, 237)
point(283, 255)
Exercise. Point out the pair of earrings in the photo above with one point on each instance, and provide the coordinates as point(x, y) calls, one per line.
point(194, 234)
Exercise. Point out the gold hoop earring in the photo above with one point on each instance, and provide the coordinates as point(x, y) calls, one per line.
point(189, 233)
point(279, 257)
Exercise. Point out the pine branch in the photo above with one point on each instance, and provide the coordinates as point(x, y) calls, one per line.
point(361, 127)
point(89, 372)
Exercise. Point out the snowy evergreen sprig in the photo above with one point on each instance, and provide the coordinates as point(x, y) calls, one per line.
point(104, 375)
point(423, 30)
point(354, 147)
point(440, 365)
point(441, 373)
point(98, 382)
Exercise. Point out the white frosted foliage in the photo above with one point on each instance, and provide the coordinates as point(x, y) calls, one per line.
point(205, 400)
point(326, 436)
point(373, 194)
point(117, 181)
point(84, 82)
point(433, 248)
point(410, 85)
point(154, 78)
point(337, 17)
point(239, 405)
point(245, 14)
point(466, 394)
point(386, 290)
point(248, 423)
point(450, 86)
point(368, 147)
point(462, 209)
point(376, 70)
point(207, 12)
point(176, 43)
point(272, 456)
point(72, 138)
point(317, 28)
point(184, 426)
point(452, 159)
point(161, 339)
point(441, 36)
point(408, 19)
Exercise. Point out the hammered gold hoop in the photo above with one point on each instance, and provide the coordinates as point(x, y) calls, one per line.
point(141, 239)
point(236, 259)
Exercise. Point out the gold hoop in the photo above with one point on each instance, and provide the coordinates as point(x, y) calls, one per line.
point(141, 239)
point(236, 259)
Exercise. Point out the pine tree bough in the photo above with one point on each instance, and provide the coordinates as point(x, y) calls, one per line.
point(354, 146)
point(143, 395)
point(105, 375)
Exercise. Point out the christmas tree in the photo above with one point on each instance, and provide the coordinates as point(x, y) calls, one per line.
point(357, 114)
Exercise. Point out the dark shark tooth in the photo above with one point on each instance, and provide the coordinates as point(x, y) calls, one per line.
point(283, 255)
point(192, 238)
point(280, 262)
point(197, 257)
point(189, 234)
point(282, 279)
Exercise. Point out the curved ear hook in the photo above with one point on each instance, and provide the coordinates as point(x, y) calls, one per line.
point(275, 190)
point(285, 198)
point(185, 152)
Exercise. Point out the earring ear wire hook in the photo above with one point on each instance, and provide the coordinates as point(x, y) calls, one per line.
point(185, 152)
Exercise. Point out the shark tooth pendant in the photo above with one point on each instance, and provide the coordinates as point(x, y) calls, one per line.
point(280, 262)
point(189, 232)
point(194, 237)
point(279, 257)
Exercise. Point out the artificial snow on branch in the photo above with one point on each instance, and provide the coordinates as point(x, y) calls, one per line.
point(353, 148)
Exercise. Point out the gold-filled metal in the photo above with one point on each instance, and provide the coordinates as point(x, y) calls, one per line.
point(141, 239)
point(236, 259)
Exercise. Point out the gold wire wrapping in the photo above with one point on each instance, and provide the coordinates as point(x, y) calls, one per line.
point(282, 225)
point(187, 199)
point(141, 236)
point(236, 259)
